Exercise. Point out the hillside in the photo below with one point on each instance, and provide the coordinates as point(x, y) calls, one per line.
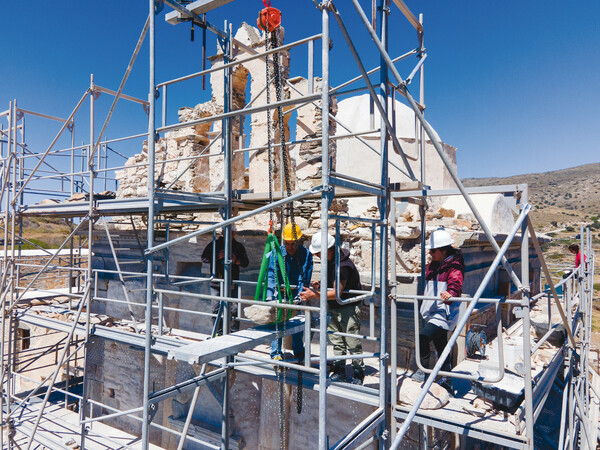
point(567, 196)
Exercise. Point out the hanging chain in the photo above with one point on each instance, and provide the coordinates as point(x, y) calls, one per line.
point(278, 80)
point(280, 371)
point(299, 393)
point(269, 137)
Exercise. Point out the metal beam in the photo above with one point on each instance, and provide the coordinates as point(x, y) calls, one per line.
point(198, 7)
point(230, 344)
point(187, 385)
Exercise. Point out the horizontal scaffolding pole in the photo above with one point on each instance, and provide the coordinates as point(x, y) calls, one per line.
point(121, 95)
point(36, 114)
point(233, 220)
point(240, 112)
point(240, 61)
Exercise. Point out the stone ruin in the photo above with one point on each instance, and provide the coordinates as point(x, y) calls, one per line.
point(354, 114)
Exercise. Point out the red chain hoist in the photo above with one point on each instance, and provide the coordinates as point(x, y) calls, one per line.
point(269, 19)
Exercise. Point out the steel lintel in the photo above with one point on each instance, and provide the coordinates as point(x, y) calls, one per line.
point(368, 190)
point(198, 7)
point(501, 189)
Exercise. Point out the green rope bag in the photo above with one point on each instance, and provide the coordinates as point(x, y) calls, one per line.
point(263, 277)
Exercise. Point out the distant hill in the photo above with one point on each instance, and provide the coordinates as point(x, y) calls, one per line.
point(567, 196)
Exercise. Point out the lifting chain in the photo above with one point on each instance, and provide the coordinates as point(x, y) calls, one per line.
point(269, 138)
point(280, 371)
point(278, 80)
point(299, 393)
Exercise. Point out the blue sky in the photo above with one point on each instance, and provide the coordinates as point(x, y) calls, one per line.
point(513, 84)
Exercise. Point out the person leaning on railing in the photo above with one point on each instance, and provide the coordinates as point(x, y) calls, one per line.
point(345, 318)
point(574, 249)
point(444, 276)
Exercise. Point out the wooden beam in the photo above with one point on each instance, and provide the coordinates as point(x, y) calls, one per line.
point(538, 250)
point(409, 15)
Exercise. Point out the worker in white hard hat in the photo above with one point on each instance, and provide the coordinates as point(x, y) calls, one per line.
point(444, 277)
point(345, 318)
point(299, 267)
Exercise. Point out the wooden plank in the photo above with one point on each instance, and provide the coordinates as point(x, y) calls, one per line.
point(230, 344)
point(409, 15)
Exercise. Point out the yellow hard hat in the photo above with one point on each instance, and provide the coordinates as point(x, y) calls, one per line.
point(288, 233)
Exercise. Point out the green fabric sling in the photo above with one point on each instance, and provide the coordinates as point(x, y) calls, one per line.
point(263, 278)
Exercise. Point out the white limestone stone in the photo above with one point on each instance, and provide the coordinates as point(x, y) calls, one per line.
point(493, 207)
point(409, 390)
point(261, 314)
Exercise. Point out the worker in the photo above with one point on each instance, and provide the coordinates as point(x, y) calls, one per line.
point(345, 318)
point(574, 249)
point(239, 258)
point(444, 276)
point(299, 267)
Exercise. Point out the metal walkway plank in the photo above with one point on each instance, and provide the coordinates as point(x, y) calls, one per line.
point(230, 344)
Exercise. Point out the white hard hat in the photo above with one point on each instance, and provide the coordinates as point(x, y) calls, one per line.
point(315, 243)
point(439, 238)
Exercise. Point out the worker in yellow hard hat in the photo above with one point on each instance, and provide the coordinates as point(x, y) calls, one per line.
point(299, 267)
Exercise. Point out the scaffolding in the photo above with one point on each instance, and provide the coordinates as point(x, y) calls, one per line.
point(27, 175)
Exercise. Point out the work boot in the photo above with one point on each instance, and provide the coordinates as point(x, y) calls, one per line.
point(358, 377)
point(338, 375)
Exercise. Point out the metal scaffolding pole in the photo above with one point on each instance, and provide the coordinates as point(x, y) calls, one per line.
point(150, 234)
point(383, 203)
point(227, 270)
point(525, 305)
point(323, 381)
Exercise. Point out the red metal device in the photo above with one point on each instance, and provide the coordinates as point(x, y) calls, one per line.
point(269, 19)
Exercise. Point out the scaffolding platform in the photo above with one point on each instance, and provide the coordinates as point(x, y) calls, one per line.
point(493, 427)
point(189, 202)
point(60, 429)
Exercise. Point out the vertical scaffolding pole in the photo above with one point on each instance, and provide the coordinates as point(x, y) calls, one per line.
point(150, 237)
point(12, 281)
point(324, 216)
point(89, 272)
point(526, 325)
point(2, 320)
point(393, 320)
point(227, 274)
point(383, 242)
point(5, 354)
point(419, 137)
